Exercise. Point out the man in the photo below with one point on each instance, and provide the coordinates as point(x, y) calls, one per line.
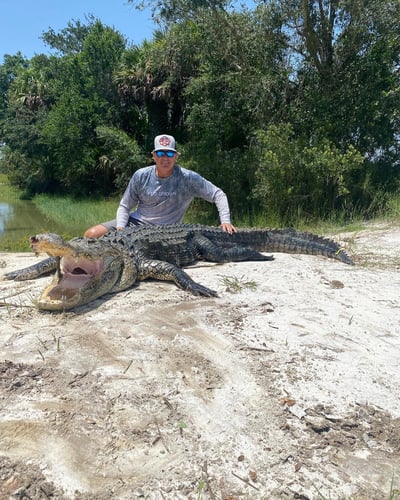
point(161, 193)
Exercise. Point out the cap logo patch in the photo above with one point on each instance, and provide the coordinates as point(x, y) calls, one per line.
point(164, 141)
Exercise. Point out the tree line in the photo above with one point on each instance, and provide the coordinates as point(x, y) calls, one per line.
point(290, 107)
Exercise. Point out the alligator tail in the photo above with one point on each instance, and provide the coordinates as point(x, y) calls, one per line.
point(292, 241)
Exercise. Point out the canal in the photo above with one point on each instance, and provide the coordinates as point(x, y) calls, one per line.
point(19, 219)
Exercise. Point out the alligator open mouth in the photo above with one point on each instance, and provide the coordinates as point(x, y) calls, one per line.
point(73, 274)
point(85, 270)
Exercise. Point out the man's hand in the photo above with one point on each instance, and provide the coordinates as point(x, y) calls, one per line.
point(226, 226)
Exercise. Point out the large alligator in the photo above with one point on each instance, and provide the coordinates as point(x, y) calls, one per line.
point(86, 268)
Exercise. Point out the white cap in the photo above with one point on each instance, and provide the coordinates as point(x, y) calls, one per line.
point(165, 143)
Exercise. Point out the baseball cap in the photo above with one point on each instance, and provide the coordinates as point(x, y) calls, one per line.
point(165, 143)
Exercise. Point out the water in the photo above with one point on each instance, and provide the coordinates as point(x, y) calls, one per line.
point(6, 213)
point(19, 219)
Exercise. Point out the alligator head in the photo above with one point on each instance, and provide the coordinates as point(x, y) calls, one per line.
point(86, 269)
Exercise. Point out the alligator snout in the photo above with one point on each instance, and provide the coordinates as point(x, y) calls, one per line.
point(50, 243)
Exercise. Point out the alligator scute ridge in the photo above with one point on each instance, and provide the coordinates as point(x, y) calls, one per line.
point(87, 268)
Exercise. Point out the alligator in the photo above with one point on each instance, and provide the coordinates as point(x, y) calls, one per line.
point(86, 268)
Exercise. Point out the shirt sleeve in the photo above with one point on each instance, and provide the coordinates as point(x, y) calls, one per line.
point(128, 201)
point(221, 201)
point(209, 192)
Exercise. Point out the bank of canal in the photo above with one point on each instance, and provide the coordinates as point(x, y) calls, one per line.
point(19, 219)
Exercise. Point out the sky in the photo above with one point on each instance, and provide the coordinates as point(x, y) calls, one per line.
point(24, 21)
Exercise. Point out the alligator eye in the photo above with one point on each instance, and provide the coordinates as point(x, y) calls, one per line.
point(78, 270)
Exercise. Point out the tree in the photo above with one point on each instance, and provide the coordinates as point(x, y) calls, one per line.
point(295, 179)
point(241, 85)
point(347, 84)
point(155, 79)
point(123, 156)
point(55, 105)
point(227, 83)
point(11, 67)
point(86, 98)
point(69, 40)
point(30, 88)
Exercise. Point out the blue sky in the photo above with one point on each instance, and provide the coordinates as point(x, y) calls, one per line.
point(24, 21)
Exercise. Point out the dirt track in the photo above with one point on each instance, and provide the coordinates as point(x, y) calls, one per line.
point(286, 389)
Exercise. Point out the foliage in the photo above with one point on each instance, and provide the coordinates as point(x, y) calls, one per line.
point(69, 40)
point(290, 107)
point(348, 87)
point(8, 71)
point(91, 101)
point(155, 81)
point(124, 156)
point(241, 85)
point(56, 103)
point(293, 177)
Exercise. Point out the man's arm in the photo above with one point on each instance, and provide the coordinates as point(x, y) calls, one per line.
point(221, 202)
point(128, 201)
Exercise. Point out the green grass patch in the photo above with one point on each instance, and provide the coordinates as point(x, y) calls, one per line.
point(393, 212)
point(6, 190)
point(236, 284)
point(76, 215)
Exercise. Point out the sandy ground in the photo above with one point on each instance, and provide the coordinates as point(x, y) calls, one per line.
point(285, 386)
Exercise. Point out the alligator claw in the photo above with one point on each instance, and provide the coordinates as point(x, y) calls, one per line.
point(201, 290)
point(12, 275)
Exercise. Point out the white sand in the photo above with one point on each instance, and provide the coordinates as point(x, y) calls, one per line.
point(288, 388)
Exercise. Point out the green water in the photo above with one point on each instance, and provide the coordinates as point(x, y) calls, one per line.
point(19, 219)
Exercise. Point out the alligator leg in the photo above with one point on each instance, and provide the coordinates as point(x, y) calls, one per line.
point(32, 272)
point(207, 250)
point(165, 271)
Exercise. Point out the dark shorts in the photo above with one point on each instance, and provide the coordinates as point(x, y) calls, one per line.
point(112, 224)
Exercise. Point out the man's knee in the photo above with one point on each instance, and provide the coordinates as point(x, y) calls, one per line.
point(95, 231)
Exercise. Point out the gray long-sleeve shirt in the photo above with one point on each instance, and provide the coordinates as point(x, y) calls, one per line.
point(165, 200)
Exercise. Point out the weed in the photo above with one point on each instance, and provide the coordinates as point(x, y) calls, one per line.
point(201, 488)
point(394, 492)
point(236, 284)
point(56, 341)
point(44, 345)
point(182, 426)
point(19, 303)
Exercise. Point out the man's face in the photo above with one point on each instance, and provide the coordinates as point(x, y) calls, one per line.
point(165, 161)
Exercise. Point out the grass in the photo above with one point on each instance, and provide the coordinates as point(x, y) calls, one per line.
point(394, 492)
point(234, 284)
point(394, 209)
point(76, 215)
point(7, 191)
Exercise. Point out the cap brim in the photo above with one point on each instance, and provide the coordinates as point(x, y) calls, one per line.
point(164, 149)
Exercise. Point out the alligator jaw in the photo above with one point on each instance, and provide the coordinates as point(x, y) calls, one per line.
point(86, 270)
point(72, 279)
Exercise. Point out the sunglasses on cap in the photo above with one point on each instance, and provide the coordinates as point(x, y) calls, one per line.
point(170, 154)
